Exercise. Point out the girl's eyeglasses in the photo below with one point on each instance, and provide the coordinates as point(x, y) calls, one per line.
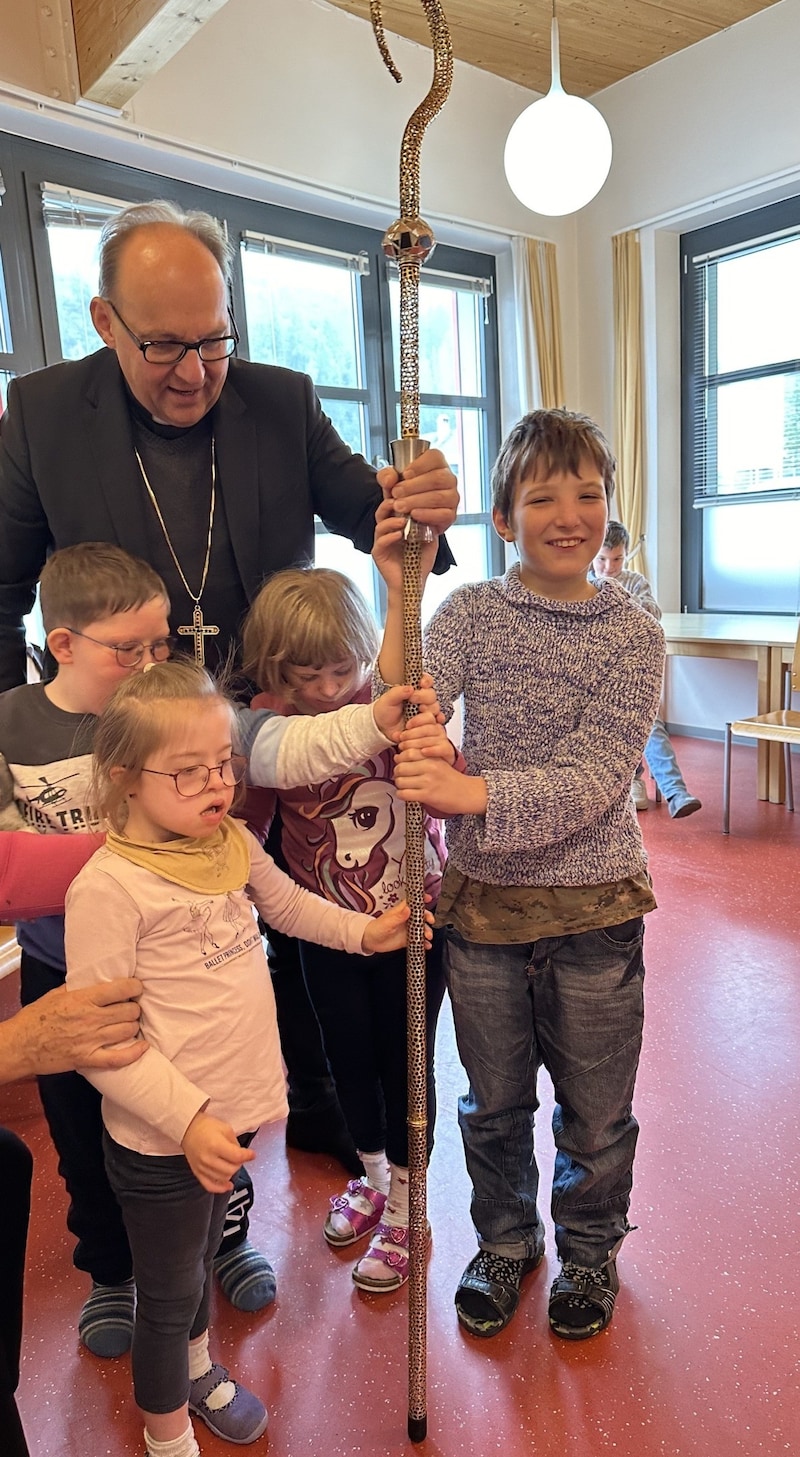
point(193, 781)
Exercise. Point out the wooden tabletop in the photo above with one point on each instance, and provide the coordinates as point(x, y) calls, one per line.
point(752, 629)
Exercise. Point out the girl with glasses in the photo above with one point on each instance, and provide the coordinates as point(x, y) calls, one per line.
point(171, 895)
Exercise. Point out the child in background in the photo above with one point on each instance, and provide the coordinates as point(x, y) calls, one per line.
point(310, 641)
point(658, 751)
point(171, 886)
point(546, 882)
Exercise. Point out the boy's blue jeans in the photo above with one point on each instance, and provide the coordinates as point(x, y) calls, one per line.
point(662, 762)
point(574, 1005)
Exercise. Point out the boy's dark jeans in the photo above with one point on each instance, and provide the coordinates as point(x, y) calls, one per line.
point(574, 1005)
point(72, 1109)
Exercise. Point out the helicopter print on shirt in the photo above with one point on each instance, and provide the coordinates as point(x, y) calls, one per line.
point(55, 796)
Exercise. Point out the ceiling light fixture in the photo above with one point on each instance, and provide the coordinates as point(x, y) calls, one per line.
point(558, 151)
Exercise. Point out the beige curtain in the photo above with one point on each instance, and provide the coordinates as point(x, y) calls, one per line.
point(629, 391)
point(537, 322)
point(547, 321)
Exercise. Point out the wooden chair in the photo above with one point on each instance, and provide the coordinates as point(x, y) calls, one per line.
point(781, 726)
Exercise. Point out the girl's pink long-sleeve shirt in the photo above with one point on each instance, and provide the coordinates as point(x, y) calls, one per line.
point(207, 1008)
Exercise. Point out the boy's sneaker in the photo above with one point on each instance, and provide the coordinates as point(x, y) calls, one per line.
point(582, 1300)
point(488, 1291)
point(639, 794)
point(683, 804)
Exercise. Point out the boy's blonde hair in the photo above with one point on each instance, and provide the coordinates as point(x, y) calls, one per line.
point(84, 583)
point(306, 617)
point(544, 443)
point(138, 719)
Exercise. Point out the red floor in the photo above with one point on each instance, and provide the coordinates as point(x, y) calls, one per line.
point(702, 1354)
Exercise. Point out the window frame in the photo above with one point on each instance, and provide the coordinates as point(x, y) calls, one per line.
point(763, 226)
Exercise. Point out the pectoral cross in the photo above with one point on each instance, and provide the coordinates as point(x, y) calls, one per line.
point(199, 630)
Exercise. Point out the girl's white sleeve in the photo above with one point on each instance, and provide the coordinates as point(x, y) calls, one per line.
point(101, 932)
point(299, 912)
point(306, 749)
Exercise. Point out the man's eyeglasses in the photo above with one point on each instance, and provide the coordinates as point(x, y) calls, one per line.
point(130, 654)
point(172, 351)
point(193, 781)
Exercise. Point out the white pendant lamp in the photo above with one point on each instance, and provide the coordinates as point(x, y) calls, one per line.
point(558, 151)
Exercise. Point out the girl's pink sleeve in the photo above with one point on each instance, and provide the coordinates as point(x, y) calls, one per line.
point(37, 870)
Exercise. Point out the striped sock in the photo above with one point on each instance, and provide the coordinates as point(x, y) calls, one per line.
point(105, 1324)
point(246, 1277)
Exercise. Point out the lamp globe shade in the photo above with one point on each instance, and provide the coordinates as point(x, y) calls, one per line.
point(558, 154)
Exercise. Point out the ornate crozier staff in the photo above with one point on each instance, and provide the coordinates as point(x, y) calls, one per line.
point(410, 241)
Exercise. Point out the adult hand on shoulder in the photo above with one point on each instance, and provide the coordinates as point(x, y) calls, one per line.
point(89, 1027)
point(427, 490)
point(213, 1152)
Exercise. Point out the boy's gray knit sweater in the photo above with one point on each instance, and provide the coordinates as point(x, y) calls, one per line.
point(559, 701)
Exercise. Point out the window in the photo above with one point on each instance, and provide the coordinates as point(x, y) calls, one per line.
point(304, 311)
point(319, 310)
point(73, 222)
point(455, 409)
point(741, 413)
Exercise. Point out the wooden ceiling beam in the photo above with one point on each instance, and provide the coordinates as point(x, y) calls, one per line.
point(120, 43)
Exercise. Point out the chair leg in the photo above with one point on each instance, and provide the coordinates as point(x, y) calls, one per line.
point(787, 748)
point(726, 782)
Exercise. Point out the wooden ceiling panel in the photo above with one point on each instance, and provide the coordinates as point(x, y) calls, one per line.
point(601, 41)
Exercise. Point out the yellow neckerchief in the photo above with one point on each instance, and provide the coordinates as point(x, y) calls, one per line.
point(220, 863)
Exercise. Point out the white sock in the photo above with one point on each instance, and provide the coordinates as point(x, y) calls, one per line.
point(200, 1364)
point(377, 1169)
point(396, 1211)
point(199, 1359)
point(183, 1446)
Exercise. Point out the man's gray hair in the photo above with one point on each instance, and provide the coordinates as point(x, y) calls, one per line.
point(201, 225)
